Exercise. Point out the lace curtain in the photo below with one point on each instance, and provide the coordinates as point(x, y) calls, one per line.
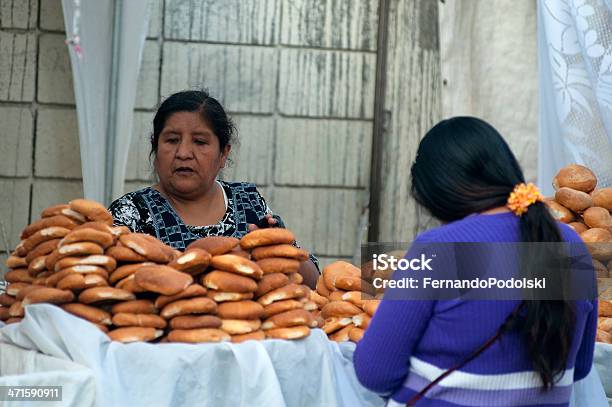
point(575, 79)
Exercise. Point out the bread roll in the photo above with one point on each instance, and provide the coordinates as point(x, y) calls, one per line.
point(221, 296)
point(26, 290)
point(14, 262)
point(48, 295)
point(104, 239)
point(240, 326)
point(77, 282)
point(240, 310)
point(603, 336)
point(238, 265)
point(577, 177)
point(102, 294)
point(53, 210)
point(560, 212)
point(603, 198)
point(37, 266)
point(92, 210)
point(124, 254)
point(251, 336)
point(193, 262)
point(91, 314)
point(6, 300)
point(318, 299)
point(196, 305)
point(195, 322)
point(127, 270)
point(225, 281)
point(52, 259)
point(18, 276)
point(278, 307)
point(194, 290)
point(296, 278)
point(343, 334)
point(13, 288)
point(106, 262)
point(99, 226)
point(266, 237)
point(578, 227)
point(371, 306)
point(57, 220)
point(356, 297)
point(597, 217)
point(43, 235)
point(295, 332)
point(287, 292)
point(162, 279)
point(215, 245)
point(280, 250)
point(356, 334)
point(572, 199)
point(289, 318)
point(148, 246)
point(144, 320)
point(340, 309)
point(337, 295)
point(79, 249)
point(321, 288)
point(338, 269)
point(605, 308)
point(16, 310)
point(270, 282)
point(278, 265)
point(135, 307)
point(198, 335)
point(362, 320)
point(605, 324)
point(135, 334)
point(42, 249)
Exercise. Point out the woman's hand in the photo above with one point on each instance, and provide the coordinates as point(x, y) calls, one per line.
point(269, 218)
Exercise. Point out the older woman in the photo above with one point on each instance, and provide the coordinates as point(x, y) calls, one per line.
point(191, 140)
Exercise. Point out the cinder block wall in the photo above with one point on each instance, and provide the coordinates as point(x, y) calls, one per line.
point(297, 76)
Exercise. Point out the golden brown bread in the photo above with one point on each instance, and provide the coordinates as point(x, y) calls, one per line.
point(144, 320)
point(238, 265)
point(340, 309)
point(91, 314)
point(240, 326)
point(240, 310)
point(278, 307)
point(193, 261)
point(560, 212)
point(602, 197)
point(335, 270)
point(196, 305)
point(79, 249)
point(92, 210)
point(194, 290)
point(104, 239)
point(14, 262)
point(147, 246)
point(103, 294)
point(287, 292)
point(574, 200)
point(278, 265)
point(124, 254)
point(270, 282)
point(77, 282)
point(41, 236)
point(135, 334)
point(289, 318)
point(266, 237)
point(57, 220)
point(198, 335)
point(195, 322)
point(135, 307)
point(48, 295)
point(215, 245)
point(362, 320)
point(42, 249)
point(294, 332)
point(577, 177)
point(371, 306)
point(18, 276)
point(226, 281)
point(162, 279)
point(356, 334)
point(126, 270)
point(251, 336)
point(279, 250)
point(343, 334)
point(221, 296)
point(578, 227)
point(597, 217)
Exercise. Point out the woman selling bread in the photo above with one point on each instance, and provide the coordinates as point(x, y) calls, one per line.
point(191, 140)
point(471, 352)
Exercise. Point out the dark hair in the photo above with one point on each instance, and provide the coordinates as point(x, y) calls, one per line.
point(194, 101)
point(464, 166)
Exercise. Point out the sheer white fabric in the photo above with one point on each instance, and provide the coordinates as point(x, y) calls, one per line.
point(92, 73)
point(575, 76)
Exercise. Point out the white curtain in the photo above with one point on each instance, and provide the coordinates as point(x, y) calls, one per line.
point(575, 79)
point(105, 80)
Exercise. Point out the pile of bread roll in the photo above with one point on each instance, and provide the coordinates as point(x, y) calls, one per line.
point(135, 288)
point(587, 209)
point(345, 301)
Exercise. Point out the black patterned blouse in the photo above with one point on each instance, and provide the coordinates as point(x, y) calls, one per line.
point(147, 211)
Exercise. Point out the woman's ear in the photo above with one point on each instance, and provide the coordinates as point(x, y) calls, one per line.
point(225, 154)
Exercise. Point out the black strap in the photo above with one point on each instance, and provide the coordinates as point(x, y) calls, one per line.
point(474, 354)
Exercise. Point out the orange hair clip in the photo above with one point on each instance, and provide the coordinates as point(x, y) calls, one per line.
point(522, 197)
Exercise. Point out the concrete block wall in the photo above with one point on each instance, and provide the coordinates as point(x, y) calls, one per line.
point(297, 77)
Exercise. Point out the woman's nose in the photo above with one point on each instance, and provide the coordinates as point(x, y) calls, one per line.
point(184, 150)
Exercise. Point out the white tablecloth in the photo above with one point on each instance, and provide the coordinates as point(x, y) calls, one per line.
point(51, 347)
point(95, 371)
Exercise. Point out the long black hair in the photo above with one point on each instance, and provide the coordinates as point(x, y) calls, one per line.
point(464, 166)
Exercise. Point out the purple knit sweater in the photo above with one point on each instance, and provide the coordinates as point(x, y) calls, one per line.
point(409, 343)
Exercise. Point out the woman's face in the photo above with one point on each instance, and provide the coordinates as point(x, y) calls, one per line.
point(188, 155)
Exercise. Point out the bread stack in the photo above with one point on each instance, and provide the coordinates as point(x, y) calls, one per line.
point(136, 288)
point(345, 301)
point(604, 322)
point(586, 209)
point(279, 291)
